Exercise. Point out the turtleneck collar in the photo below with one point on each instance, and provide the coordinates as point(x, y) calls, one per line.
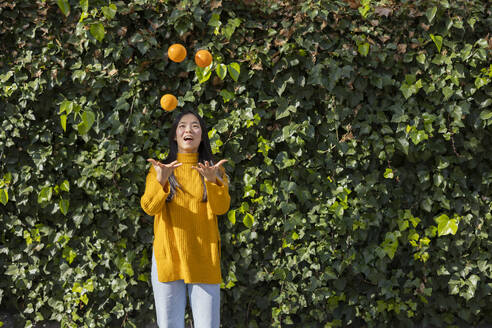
point(187, 158)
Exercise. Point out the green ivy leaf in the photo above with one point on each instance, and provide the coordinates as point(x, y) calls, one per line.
point(481, 81)
point(431, 13)
point(407, 90)
point(5, 77)
point(227, 95)
point(441, 219)
point(364, 8)
point(388, 174)
point(65, 186)
point(390, 244)
point(109, 11)
point(64, 6)
point(84, 298)
point(77, 288)
point(267, 187)
point(284, 111)
point(203, 73)
point(97, 30)
point(79, 74)
point(84, 4)
point(363, 49)
point(474, 279)
point(64, 204)
point(418, 136)
point(283, 161)
point(446, 226)
point(415, 221)
point(4, 196)
point(231, 26)
point(68, 254)
point(330, 274)
point(66, 107)
point(404, 144)
point(248, 220)
point(234, 70)
point(45, 195)
point(232, 216)
point(127, 268)
point(12, 270)
point(486, 115)
point(63, 121)
point(214, 21)
point(221, 71)
point(88, 118)
point(7, 178)
point(447, 91)
point(437, 41)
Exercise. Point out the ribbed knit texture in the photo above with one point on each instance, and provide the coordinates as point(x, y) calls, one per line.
point(186, 234)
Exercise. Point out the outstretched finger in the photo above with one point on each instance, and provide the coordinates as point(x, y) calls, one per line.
point(222, 161)
point(152, 161)
point(199, 169)
point(172, 164)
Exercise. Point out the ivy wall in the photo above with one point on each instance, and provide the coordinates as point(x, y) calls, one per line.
point(358, 133)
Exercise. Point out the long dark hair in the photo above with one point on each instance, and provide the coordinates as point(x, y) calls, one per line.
point(204, 151)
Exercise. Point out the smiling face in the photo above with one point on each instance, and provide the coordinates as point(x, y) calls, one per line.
point(188, 134)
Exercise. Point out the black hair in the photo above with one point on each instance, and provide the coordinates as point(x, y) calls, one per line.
point(204, 151)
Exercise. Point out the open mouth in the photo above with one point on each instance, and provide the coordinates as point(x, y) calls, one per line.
point(188, 138)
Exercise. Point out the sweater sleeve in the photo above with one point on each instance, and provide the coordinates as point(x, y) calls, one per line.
point(218, 195)
point(155, 195)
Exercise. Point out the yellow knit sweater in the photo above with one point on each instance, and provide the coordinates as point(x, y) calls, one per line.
point(186, 234)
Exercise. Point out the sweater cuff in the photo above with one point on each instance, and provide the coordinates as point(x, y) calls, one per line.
point(163, 191)
point(153, 201)
point(216, 187)
point(218, 182)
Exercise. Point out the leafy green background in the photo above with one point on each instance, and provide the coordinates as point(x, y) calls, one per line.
point(358, 135)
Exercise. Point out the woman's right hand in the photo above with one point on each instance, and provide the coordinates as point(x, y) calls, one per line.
point(163, 171)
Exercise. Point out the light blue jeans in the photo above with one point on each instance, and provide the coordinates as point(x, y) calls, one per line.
point(170, 302)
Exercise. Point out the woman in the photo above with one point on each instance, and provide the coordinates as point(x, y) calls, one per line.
point(185, 194)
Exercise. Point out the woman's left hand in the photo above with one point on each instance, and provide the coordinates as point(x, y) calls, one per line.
point(210, 172)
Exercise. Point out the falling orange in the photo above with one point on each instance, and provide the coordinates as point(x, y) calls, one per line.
point(203, 58)
point(169, 102)
point(176, 52)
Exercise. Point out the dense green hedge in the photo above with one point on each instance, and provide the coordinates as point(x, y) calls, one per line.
point(359, 138)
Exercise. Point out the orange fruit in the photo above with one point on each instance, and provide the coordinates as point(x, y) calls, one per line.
point(176, 52)
point(169, 102)
point(203, 58)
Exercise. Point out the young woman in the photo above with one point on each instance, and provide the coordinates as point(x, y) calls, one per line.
point(185, 194)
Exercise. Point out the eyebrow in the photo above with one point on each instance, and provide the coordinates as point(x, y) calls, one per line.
point(193, 122)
